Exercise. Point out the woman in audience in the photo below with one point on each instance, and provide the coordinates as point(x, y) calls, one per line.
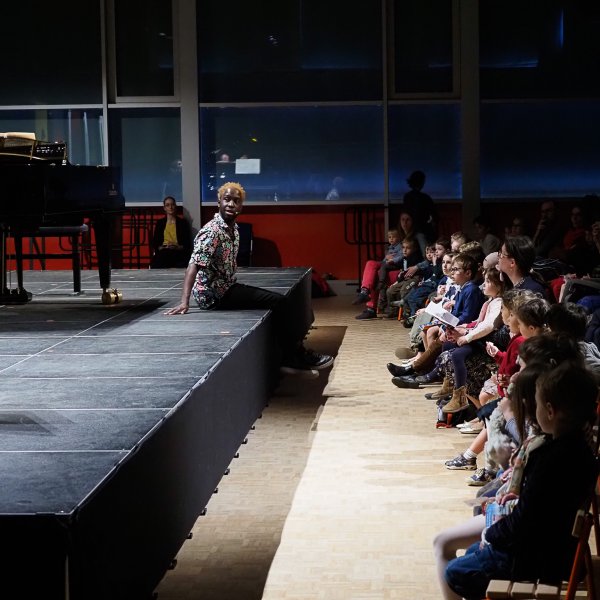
point(172, 241)
point(406, 226)
point(515, 262)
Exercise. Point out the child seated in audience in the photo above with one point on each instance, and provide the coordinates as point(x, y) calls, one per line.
point(534, 541)
point(495, 388)
point(468, 302)
point(571, 319)
point(375, 272)
point(462, 338)
point(417, 297)
point(391, 299)
point(522, 399)
point(531, 317)
point(457, 239)
point(444, 294)
point(506, 360)
point(462, 342)
point(371, 287)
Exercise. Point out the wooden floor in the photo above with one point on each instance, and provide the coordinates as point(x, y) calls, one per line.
point(341, 486)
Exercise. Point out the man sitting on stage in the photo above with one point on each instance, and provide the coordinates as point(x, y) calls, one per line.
point(210, 278)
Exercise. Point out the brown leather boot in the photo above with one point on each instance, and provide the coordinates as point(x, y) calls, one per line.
point(446, 389)
point(458, 401)
point(425, 362)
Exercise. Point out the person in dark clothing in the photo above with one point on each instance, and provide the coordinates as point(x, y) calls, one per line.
point(549, 232)
point(534, 541)
point(592, 332)
point(421, 206)
point(172, 241)
point(210, 280)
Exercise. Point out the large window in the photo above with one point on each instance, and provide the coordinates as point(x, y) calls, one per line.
point(144, 48)
point(80, 129)
point(539, 48)
point(146, 143)
point(294, 154)
point(50, 53)
point(425, 137)
point(290, 50)
point(422, 50)
point(540, 149)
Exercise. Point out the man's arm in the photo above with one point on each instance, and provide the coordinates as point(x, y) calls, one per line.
point(188, 282)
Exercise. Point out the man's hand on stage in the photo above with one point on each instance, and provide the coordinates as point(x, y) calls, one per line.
point(178, 310)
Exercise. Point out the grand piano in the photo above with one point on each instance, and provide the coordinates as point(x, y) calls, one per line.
point(41, 192)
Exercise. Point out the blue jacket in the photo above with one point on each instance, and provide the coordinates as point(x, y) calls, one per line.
point(469, 301)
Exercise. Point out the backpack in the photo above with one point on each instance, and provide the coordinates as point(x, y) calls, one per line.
point(320, 287)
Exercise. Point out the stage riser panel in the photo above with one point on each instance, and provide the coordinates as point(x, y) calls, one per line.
point(117, 423)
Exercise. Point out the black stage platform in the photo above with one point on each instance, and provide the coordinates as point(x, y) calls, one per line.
point(117, 423)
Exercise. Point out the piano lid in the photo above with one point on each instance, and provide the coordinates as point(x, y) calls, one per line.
point(16, 145)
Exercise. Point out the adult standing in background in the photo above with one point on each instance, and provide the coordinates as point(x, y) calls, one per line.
point(421, 206)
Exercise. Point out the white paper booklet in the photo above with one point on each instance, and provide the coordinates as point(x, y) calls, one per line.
point(435, 310)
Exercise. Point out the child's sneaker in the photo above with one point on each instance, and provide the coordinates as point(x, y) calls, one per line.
point(460, 462)
point(480, 477)
point(362, 297)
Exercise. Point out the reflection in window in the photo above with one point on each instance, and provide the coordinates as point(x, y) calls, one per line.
point(540, 149)
point(422, 46)
point(144, 40)
point(80, 129)
point(425, 137)
point(146, 143)
point(317, 153)
point(288, 51)
point(540, 48)
point(50, 53)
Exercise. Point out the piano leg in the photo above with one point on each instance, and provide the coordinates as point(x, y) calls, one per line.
point(19, 295)
point(102, 231)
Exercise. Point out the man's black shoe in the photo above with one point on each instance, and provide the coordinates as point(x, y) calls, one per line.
point(398, 371)
point(405, 382)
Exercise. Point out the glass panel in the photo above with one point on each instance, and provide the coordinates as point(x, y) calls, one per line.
point(80, 129)
point(540, 48)
point(303, 153)
point(422, 46)
point(540, 149)
point(425, 137)
point(144, 36)
point(50, 53)
point(146, 144)
point(288, 51)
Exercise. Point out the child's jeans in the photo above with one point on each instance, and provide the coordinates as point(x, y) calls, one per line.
point(417, 297)
point(469, 575)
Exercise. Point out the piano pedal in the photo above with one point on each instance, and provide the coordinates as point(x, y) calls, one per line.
point(113, 296)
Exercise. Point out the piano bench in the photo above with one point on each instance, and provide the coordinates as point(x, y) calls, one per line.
point(72, 231)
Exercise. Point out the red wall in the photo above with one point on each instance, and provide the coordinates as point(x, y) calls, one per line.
point(313, 235)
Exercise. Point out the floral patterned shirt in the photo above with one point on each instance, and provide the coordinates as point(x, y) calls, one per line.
point(215, 251)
